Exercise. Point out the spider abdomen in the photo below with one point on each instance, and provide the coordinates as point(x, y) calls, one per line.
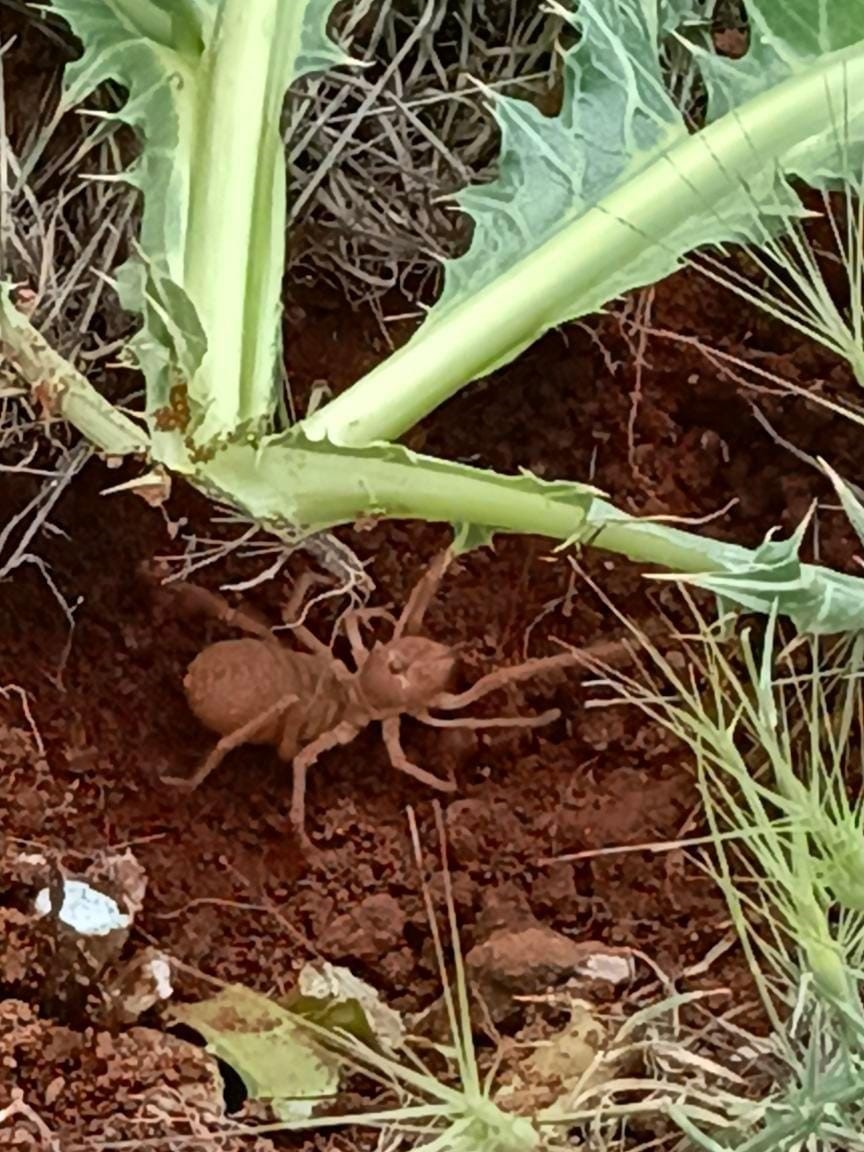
point(232, 682)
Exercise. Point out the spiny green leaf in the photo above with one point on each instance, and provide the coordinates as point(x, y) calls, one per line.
point(773, 577)
point(268, 1048)
point(786, 39)
point(851, 502)
point(616, 118)
point(317, 50)
point(291, 481)
point(470, 537)
point(156, 57)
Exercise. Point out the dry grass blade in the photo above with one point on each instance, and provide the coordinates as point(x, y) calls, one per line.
point(374, 154)
point(60, 235)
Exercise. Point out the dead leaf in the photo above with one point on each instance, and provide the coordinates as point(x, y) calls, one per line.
point(267, 1046)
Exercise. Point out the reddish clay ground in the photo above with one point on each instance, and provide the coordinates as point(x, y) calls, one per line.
point(228, 891)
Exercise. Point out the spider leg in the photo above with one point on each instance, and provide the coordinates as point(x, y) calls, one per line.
point(195, 600)
point(393, 744)
point(451, 702)
point(359, 651)
point(292, 614)
point(411, 618)
point(353, 621)
point(493, 721)
point(241, 735)
point(342, 734)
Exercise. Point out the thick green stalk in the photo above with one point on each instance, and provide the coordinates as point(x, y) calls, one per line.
point(206, 83)
point(692, 177)
point(234, 253)
point(294, 484)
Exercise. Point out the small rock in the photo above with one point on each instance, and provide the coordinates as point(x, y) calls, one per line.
point(397, 968)
point(367, 932)
point(534, 959)
point(84, 909)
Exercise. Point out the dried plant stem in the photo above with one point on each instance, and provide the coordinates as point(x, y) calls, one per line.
point(61, 389)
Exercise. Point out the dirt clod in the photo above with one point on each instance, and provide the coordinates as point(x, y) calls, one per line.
point(368, 932)
point(532, 960)
point(20, 961)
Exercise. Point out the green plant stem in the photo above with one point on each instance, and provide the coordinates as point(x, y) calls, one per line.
point(237, 211)
point(289, 484)
point(493, 325)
